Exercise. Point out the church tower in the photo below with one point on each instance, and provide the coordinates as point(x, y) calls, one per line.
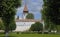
point(25, 11)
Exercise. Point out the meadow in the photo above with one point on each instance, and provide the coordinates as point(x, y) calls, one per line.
point(31, 35)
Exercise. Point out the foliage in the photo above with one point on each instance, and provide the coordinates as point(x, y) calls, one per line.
point(30, 16)
point(1, 25)
point(51, 11)
point(8, 11)
point(36, 27)
point(51, 14)
point(12, 26)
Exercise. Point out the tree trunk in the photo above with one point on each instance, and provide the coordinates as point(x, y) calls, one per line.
point(6, 32)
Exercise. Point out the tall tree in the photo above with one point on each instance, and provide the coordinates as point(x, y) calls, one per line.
point(30, 16)
point(51, 12)
point(8, 11)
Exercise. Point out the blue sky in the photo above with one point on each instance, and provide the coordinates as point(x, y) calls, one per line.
point(34, 6)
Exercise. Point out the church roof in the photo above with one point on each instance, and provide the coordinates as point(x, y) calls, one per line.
point(28, 20)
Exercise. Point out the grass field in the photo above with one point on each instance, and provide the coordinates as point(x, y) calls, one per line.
point(31, 35)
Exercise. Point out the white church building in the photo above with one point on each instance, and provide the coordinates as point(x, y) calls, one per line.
point(24, 24)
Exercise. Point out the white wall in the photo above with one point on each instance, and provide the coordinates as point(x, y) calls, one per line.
point(23, 26)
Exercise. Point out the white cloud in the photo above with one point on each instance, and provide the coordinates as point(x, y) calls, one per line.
point(35, 5)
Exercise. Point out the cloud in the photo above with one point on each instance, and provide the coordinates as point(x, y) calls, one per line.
point(35, 5)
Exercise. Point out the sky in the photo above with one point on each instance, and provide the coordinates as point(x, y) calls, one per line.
point(34, 6)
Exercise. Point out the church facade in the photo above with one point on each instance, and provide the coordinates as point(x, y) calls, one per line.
point(24, 24)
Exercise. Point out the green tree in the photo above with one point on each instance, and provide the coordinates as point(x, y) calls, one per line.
point(51, 12)
point(8, 11)
point(30, 16)
point(36, 27)
point(1, 25)
point(12, 26)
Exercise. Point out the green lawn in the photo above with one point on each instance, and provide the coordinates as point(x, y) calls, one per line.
point(31, 35)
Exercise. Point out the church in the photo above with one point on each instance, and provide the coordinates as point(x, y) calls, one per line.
point(24, 24)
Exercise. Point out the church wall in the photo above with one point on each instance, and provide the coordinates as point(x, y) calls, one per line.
point(23, 26)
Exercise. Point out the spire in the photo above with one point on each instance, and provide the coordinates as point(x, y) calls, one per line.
point(25, 9)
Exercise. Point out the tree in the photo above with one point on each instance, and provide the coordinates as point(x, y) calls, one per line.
point(36, 27)
point(12, 26)
point(1, 25)
point(51, 12)
point(30, 16)
point(8, 11)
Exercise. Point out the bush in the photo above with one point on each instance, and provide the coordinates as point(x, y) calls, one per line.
point(36, 27)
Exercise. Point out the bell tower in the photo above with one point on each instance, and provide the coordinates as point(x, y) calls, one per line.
point(25, 11)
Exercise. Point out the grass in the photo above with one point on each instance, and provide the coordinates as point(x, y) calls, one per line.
point(37, 35)
point(31, 35)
